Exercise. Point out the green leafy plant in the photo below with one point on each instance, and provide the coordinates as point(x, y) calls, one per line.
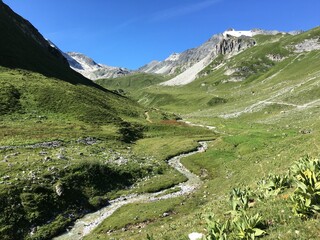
point(247, 227)
point(216, 229)
point(150, 237)
point(240, 198)
point(273, 185)
point(306, 196)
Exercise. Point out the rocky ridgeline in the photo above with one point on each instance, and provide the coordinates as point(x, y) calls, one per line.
point(187, 65)
point(92, 70)
point(196, 59)
point(217, 44)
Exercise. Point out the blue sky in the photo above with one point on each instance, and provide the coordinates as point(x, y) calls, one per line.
point(131, 33)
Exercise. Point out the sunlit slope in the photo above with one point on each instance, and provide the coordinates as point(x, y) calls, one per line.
point(269, 78)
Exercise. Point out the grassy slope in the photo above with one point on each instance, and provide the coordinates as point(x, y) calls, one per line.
point(36, 109)
point(131, 84)
point(260, 139)
point(58, 104)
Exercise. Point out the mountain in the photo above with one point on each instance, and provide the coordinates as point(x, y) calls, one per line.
point(186, 66)
point(44, 104)
point(92, 70)
point(22, 46)
point(46, 76)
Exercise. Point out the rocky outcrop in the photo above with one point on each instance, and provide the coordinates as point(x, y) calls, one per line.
point(229, 42)
point(308, 45)
point(179, 62)
point(233, 45)
point(200, 58)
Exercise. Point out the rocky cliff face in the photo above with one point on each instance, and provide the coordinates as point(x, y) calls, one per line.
point(186, 66)
point(177, 63)
point(192, 62)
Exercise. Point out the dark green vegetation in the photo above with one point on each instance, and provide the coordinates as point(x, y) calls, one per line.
point(22, 46)
point(265, 104)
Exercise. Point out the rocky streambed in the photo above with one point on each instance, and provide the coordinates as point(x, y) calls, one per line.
point(85, 225)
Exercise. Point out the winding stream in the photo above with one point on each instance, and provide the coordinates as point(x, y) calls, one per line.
point(85, 225)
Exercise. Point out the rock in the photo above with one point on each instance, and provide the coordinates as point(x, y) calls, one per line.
point(305, 131)
point(87, 141)
point(195, 236)
point(7, 177)
point(275, 57)
point(52, 144)
point(59, 189)
point(308, 45)
point(61, 156)
point(47, 159)
point(165, 214)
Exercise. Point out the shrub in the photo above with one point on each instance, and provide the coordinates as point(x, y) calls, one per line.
point(273, 185)
point(306, 196)
point(216, 229)
point(9, 99)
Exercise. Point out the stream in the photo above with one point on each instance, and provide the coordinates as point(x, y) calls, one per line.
point(85, 225)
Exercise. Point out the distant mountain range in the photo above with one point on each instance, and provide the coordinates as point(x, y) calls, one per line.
point(92, 70)
point(183, 67)
point(88, 67)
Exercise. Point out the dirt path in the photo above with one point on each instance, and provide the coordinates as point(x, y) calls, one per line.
point(271, 100)
point(89, 222)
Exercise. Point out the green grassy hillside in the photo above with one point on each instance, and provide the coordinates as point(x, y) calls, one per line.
point(66, 143)
point(265, 104)
point(68, 146)
point(131, 84)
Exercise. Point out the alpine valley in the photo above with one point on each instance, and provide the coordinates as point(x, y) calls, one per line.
point(220, 141)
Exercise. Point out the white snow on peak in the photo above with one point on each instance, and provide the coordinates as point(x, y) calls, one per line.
point(235, 33)
point(173, 57)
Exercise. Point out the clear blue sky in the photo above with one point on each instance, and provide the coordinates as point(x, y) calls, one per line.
point(131, 33)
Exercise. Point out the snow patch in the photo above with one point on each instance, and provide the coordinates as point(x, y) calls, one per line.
point(235, 33)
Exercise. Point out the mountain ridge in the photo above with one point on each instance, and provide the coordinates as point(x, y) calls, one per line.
point(92, 70)
point(33, 49)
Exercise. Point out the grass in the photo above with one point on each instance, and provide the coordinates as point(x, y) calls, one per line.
point(40, 109)
point(106, 148)
point(264, 138)
point(132, 217)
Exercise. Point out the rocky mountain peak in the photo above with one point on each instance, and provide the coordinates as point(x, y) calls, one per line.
point(91, 69)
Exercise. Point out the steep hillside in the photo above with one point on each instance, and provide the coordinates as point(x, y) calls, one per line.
point(269, 64)
point(22, 46)
point(50, 91)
